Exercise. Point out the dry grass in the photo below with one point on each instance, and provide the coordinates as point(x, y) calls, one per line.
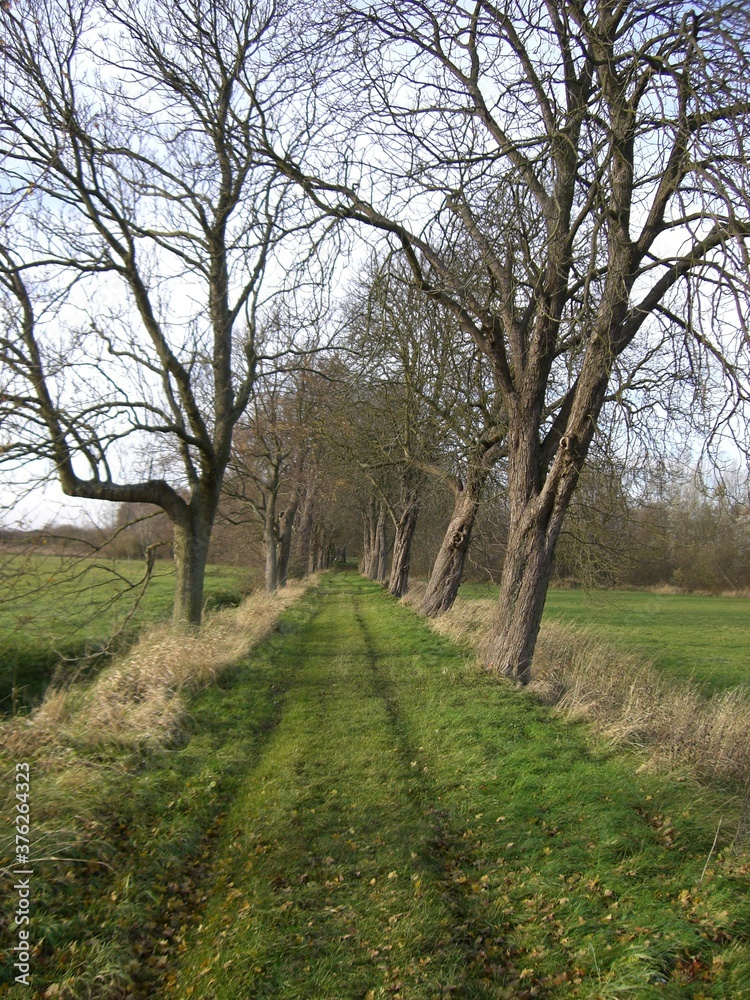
point(630, 702)
point(663, 588)
point(669, 589)
point(627, 701)
point(466, 622)
point(140, 700)
point(414, 595)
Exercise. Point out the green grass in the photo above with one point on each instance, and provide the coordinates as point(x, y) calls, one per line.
point(415, 829)
point(54, 608)
point(360, 814)
point(703, 638)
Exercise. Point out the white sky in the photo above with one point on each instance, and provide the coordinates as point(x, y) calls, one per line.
point(47, 504)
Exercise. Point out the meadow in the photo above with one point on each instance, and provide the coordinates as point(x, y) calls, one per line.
point(353, 809)
point(687, 636)
point(56, 609)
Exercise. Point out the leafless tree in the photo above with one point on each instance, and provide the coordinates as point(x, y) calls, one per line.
point(569, 179)
point(418, 345)
point(138, 235)
point(388, 427)
point(272, 451)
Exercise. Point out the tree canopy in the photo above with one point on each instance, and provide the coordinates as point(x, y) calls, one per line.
point(566, 183)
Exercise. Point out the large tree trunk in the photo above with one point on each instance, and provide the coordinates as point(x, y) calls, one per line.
point(537, 511)
point(405, 527)
point(191, 541)
point(447, 571)
point(272, 562)
point(523, 591)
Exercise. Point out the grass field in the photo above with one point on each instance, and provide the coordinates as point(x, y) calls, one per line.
point(54, 608)
point(359, 813)
point(688, 636)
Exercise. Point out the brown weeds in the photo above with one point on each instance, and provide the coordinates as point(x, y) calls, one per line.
point(140, 700)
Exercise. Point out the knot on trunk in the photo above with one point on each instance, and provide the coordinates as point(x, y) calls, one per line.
point(569, 445)
point(457, 538)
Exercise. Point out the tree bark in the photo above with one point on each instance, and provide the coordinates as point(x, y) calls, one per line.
point(272, 564)
point(191, 540)
point(314, 560)
point(523, 592)
point(366, 560)
point(371, 524)
point(285, 541)
point(538, 504)
point(270, 545)
point(447, 571)
point(405, 527)
point(380, 547)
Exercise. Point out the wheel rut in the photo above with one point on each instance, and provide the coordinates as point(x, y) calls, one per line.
point(445, 854)
point(340, 873)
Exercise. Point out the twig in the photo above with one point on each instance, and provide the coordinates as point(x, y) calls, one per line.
point(710, 853)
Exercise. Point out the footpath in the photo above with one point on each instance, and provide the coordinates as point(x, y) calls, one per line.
point(413, 828)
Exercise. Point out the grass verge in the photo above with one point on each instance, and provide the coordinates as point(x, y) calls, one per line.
point(628, 701)
point(129, 781)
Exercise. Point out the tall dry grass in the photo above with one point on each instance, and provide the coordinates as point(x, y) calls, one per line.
point(631, 703)
point(140, 700)
point(625, 698)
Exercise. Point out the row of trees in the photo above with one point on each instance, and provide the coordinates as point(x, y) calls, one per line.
point(382, 446)
point(559, 198)
point(388, 466)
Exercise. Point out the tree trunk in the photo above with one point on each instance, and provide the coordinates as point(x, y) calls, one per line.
point(366, 560)
point(380, 549)
point(369, 556)
point(270, 543)
point(313, 564)
point(285, 541)
point(272, 563)
point(405, 527)
point(537, 512)
point(523, 591)
point(305, 534)
point(191, 541)
point(447, 571)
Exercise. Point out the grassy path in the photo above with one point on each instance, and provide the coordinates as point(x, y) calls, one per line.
point(413, 829)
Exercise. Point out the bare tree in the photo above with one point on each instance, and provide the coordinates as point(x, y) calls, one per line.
point(387, 431)
point(137, 228)
point(273, 446)
point(570, 179)
point(418, 345)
